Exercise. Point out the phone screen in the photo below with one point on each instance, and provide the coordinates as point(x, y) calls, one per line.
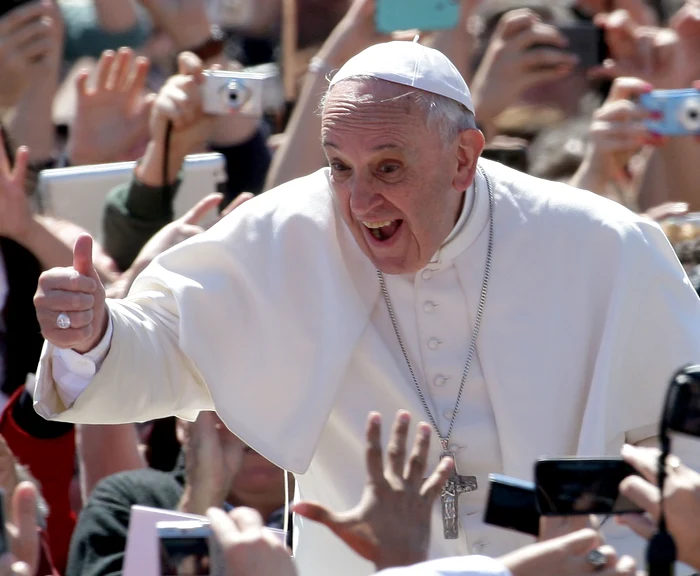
point(573, 486)
point(424, 15)
point(587, 42)
point(184, 556)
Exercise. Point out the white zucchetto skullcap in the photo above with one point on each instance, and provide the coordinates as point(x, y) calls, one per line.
point(410, 64)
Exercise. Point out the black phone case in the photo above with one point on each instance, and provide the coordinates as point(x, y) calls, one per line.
point(512, 507)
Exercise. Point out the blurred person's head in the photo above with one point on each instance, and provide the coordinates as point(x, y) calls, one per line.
point(258, 481)
point(400, 158)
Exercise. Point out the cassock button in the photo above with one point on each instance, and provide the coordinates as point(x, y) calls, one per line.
point(433, 343)
point(427, 274)
point(428, 307)
point(439, 381)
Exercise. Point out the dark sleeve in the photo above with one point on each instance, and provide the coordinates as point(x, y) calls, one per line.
point(99, 539)
point(246, 166)
point(132, 214)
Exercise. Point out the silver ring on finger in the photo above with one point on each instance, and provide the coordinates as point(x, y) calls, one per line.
point(63, 321)
point(597, 560)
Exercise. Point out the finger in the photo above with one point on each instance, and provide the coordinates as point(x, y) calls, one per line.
point(609, 70)
point(37, 30)
point(104, 69)
point(539, 58)
point(34, 51)
point(537, 77)
point(540, 34)
point(66, 279)
point(396, 451)
point(626, 566)
point(81, 84)
point(21, 569)
point(190, 230)
point(628, 88)
point(417, 463)
point(82, 257)
point(639, 524)
point(316, 513)
point(642, 493)
point(189, 64)
point(24, 511)
point(18, 17)
point(579, 564)
point(224, 529)
point(373, 454)
point(195, 214)
point(236, 202)
point(121, 70)
point(5, 168)
point(19, 174)
point(137, 82)
point(64, 301)
point(434, 485)
point(247, 519)
point(667, 209)
point(67, 339)
point(644, 460)
point(77, 319)
point(514, 22)
point(579, 543)
point(622, 110)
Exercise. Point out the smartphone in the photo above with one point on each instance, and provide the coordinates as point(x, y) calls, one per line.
point(424, 15)
point(9, 5)
point(682, 407)
point(512, 504)
point(678, 111)
point(512, 156)
point(584, 40)
point(187, 548)
point(576, 486)
point(241, 93)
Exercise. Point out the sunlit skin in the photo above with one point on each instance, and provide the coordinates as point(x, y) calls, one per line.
point(388, 166)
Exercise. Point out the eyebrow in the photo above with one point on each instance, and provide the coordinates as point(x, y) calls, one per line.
point(329, 144)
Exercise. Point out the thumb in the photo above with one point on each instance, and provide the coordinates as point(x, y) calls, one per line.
point(24, 512)
point(82, 257)
point(581, 542)
point(201, 208)
point(317, 513)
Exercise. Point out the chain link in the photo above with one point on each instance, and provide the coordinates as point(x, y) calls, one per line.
point(444, 440)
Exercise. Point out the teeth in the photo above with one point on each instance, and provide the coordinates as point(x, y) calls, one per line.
point(375, 225)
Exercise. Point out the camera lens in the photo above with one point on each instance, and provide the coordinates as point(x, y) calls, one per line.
point(690, 115)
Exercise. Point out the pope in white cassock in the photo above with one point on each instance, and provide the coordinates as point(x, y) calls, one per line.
point(520, 317)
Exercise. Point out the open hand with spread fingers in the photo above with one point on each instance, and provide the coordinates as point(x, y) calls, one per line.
point(391, 524)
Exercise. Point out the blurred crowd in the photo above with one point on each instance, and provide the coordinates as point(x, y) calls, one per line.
point(96, 82)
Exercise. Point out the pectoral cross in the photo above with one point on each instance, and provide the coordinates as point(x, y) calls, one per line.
point(449, 499)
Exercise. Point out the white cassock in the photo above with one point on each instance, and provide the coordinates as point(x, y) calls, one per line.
point(274, 318)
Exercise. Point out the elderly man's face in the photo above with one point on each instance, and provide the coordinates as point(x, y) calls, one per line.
point(399, 187)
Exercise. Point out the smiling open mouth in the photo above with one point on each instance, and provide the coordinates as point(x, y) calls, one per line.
point(383, 230)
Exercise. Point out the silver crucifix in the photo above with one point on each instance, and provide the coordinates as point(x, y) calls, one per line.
point(449, 498)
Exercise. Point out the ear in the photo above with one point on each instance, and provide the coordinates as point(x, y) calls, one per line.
point(470, 144)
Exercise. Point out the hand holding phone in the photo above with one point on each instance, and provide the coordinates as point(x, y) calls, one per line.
point(578, 486)
point(512, 504)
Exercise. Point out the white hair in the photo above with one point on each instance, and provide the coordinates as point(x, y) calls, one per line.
point(444, 114)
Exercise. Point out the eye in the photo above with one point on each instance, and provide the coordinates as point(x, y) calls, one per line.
point(389, 168)
point(338, 167)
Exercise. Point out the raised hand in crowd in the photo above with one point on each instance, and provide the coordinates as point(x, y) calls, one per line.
point(391, 524)
point(248, 549)
point(113, 109)
point(213, 457)
point(186, 23)
point(616, 135)
point(23, 558)
point(522, 53)
point(187, 226)
point(459, 44)
point(26, 41)
point(681, 501)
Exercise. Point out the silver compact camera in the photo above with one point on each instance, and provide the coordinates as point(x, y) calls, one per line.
point(243, 93)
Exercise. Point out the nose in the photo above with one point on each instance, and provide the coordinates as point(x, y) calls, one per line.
point(363, 197)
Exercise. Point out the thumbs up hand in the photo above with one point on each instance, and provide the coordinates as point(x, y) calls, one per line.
point(70, 302)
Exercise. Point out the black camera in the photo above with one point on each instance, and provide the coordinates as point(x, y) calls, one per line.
point(682, 407)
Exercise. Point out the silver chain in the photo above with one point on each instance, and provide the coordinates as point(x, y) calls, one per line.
point(444, 440)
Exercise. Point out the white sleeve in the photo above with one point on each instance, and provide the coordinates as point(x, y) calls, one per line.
point(455, 566)
point(73, 371)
